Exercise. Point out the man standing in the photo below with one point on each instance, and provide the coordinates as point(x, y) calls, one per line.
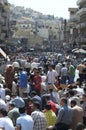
point(84, 108)
point(22, 82)
point(24, 122)
point(64, 118)
point(5, 121)
point(71, 73)
point(50, 115)
point(37, 82)
point(52, 75)
point(77, 114)
point(63, 74)
point(80, 68)
point(9, 75)
point(13, 113)
point(40, 122)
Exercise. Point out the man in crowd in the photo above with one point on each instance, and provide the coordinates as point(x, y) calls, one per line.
point(50, 115)
point(23, 80)
point(77, 114)
point(24, 122)
point(63, 74)
point(52, 75)
point(40, 122)
point(64, 118)
point(80, 68)
point(84, 108)
point(13, 113)
point(71, 73)
point(5, 121)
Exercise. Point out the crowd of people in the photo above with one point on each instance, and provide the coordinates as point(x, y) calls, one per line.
point(43, 94)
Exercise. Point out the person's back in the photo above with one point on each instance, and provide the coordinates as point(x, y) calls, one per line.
point(77, 114)
point(5, 121)
point(3, 104)
point(71, 74)
point(23, 82)
point(51, 128)
point(40, 122)
point(64, 118)
point(80, 126)
point(63, 74)
point(24, 122)
point(13, 113)
point(2, 92)
point(23, 79)
point(50, 115)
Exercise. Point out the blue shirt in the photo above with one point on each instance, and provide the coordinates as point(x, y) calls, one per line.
point(65, 115)
point(25, 121)
point(23, 79)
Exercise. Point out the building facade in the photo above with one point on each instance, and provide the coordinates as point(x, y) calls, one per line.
point(73, 32)
point(4, 20)
point(81, 26)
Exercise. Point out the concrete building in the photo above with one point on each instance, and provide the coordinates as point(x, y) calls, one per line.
point(4, 20)
point(81, 26)
point(73, 14)
point(72, 25)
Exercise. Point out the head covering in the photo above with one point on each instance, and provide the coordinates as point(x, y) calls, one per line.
point(7, 97)
point(1, 78)
point(19, 102)
point(16, 64)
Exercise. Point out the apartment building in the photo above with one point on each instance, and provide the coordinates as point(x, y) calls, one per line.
point(81, 26)
point(4, 20)
point(72, 25)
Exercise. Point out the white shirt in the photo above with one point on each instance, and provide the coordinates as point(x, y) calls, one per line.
point(58, 68)
point(64, 71)
point(2, 93)
point(52, 76)
point(3, 104)
point(34, 65)
point(6, 123)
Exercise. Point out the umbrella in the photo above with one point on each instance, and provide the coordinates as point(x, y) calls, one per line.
point(80, 51)
point(74, 49)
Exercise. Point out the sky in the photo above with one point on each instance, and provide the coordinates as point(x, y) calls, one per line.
point(58, 8)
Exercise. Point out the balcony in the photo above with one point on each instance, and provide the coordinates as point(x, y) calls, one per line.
point(74, 18)
point(81, 12)
point(1, 2)
point(2, 20)
point(83, 39)
point(4, 14)
point(4, 28)
point(5, 1)
point(0, 28)
point(81, 26)
point(2, 36)
point(81, 2)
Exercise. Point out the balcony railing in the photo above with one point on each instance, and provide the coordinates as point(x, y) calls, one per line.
point(81, 25)
point(1, 2)
point(79, 2)
point(4, 28)
point(2, 20)
point(81, 12)
point(4, 14)
point(2, 36)
point(83, 39)
point(0, 28)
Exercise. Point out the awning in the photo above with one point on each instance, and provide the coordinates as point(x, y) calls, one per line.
point(3, 53)
point(82, 51)
point(75, 49)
